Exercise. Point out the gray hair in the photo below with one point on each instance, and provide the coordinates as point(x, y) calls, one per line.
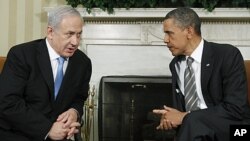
point(56, 15)
point(185, 17)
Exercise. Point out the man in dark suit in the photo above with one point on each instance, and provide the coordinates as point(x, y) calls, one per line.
point(219, 88)
point(30, 110)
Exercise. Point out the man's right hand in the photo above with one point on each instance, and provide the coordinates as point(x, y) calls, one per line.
point(57, 132)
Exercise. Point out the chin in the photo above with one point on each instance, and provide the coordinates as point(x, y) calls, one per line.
point(174, 53)
point(68, 54)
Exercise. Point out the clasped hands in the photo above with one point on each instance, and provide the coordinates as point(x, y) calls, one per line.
point(170, 117)
point(65, 126)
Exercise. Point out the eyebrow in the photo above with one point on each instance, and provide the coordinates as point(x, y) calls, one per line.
point(168, 32)
point(74, 32)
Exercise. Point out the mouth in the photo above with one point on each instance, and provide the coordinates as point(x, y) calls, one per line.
point(71, 49)
point(169, 47)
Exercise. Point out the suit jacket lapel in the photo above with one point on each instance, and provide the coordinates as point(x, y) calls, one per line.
point(173, 70)
point(44, 63)
point(174, 73)
point(178, 96)
point(207, 64)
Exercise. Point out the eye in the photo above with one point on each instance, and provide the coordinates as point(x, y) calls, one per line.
point(78, 35)
point(168, 33)
point(70, 34)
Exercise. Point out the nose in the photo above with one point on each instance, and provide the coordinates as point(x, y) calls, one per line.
point(166, 38)
point(75, 40)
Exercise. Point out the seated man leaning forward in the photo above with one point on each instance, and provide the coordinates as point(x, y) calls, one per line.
point(41, 98)
point(209, 82)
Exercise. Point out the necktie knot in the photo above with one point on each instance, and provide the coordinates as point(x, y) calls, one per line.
point(190, 60)
point(60, 60)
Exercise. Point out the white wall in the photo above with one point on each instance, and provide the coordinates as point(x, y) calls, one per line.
point(22, 21)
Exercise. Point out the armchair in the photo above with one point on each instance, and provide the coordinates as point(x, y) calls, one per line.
point(2, 60)
point(247, 66)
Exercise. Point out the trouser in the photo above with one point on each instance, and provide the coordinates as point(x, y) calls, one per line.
point(7, 135)
point(198, 126)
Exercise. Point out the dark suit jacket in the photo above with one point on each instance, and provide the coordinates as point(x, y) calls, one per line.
point(223, 82)
point(27, 104)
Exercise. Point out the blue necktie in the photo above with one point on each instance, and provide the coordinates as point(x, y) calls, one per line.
point(59, 75)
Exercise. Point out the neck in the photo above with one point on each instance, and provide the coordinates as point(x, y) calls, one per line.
point(193, 44)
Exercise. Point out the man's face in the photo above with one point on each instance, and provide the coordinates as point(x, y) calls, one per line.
point(66, 38)
point(175, 37)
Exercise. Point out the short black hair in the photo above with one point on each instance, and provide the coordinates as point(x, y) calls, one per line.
point(185, 17)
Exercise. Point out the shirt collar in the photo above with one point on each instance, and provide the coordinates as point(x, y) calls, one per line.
point(197, 53)
point(52, 53)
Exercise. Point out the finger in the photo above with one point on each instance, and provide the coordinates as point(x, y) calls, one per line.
point(75, 124)
point(60, 117)
point(160, 126)
point(157, 111)
point(63, 117)
point(173, 125)
point(64, 132)
point(67, 124)
point(72, 131)
point(167, 124)
point(71, 124)
point(167, 108)
point(72, 134)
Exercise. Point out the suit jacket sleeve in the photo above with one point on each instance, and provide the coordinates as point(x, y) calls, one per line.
point(15, 111)
point(224, 84)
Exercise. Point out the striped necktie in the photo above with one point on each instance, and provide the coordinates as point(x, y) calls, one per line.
point(191, 97)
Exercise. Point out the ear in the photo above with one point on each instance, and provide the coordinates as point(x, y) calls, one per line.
point(49, 32)
point(190, 32)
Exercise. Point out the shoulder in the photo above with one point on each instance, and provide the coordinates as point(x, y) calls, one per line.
point(80, 58)
point(220, 47)
point(221, 50)
point(226, 55)
point(28, 46)
point(80, 55)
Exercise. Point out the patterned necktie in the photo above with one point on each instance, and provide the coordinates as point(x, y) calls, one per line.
point(59, 75)
point(191, 97)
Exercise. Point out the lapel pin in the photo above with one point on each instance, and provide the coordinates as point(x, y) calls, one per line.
point(207, 65)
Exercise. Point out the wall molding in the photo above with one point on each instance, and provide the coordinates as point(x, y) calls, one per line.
point(225, 25)
point(151, 14)
point(161, 12)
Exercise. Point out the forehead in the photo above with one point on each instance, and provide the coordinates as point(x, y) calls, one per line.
point(170, 25)
point(72, 22)
point(169, 22)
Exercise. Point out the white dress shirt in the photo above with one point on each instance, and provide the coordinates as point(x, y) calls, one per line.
point(196, 65)
point(53, 59)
